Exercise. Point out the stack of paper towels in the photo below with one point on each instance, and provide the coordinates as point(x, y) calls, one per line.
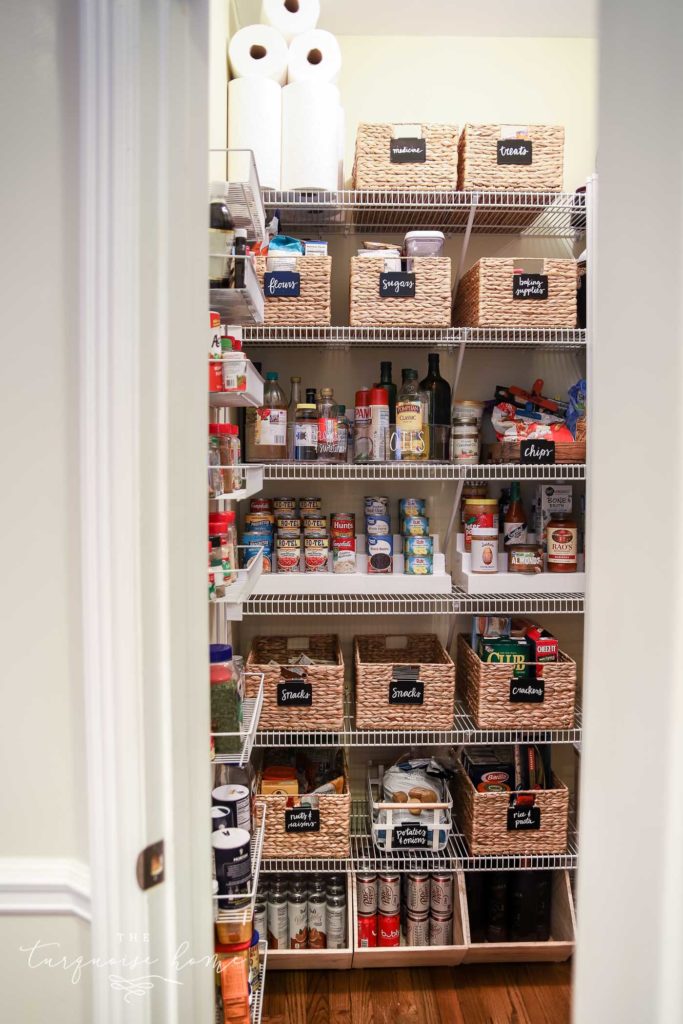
point(295, 130)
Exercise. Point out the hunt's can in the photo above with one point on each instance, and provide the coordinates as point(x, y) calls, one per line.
point(366, 892)
point(441, 893)
point(417, 929)
point(367, 931)
point(388, 893)
point(441, 930)
point(342, 523)
point(388, 930)
point(417, 893)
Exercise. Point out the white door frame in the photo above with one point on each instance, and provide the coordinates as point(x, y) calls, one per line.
point(144, 144)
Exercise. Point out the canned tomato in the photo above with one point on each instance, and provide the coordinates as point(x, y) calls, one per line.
point(376, 505)
point(388, 930)
point(366, 892)
point(417, 893)
point(310, 505)
point(380, 552)
point(261, 505)
point(411, 507)
point(315, 523)
point(288, 554)
point(344, 554)
point(417, 929)
point(343, 522)
point(441, 930)
point(288, 524)
point(316, 550)
point(284, 505)
point(388, 893)
point(416, 526)
point(367, 930)
point(441, 893)
point(378, 526)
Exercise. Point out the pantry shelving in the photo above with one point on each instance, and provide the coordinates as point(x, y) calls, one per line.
point(251, 711)
point(420, 471)
point(238, 592)
point(243, 909)
point(239, 305)
point(253, 475)
point(253, 391)
point(241, 194)
point(517, 338)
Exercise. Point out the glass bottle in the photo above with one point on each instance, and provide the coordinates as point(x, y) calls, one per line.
point(215, 472)
point(411, 441)
point(294, 394)
point(240, 251)
point(327, 425)
point(306, 433)
point(267, 426)
point(439, 393)
point(386, 382)
point(342, 447)
point(238, 472)
point(311, 395)
point(226, 701)
point(514, 522)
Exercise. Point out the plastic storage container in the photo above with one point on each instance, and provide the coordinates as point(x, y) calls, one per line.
point(424, 243)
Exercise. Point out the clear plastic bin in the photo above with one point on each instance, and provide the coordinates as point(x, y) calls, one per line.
point(424, 243)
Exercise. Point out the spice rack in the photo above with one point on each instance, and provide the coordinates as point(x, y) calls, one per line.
point(253, 475)
point(238, 592)
point(251, 710)
point(253, 391)
point(504, 582)
point(243, 914)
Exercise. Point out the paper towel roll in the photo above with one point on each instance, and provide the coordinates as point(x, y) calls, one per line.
point(314, 57)
point(258, 51)
point(255, 122)
point(291, 17)
point(341, 145)
point(310, 136)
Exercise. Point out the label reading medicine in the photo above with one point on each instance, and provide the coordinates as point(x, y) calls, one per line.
point(514, 151)
point(282, 284)
point(527, 691)
point(537, 453)
point(302, 819)
point(529, 286)
point(407, 836)
point(408, 151)
point(295, 695)
point(524, 819)
point(397, 285)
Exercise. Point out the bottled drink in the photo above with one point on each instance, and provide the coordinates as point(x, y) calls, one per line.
point(298, 916)
point(240, 251)
point(342, 446)
point(439, 393)
point(386, 382)
point(306, 433)
point(327, 426)
point(514, 523)
point(335, 913)
point(411, 442)
point(267, 425)
point(278, 917)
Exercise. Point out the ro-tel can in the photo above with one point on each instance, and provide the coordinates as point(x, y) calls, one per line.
point(310, 506)
point(378, 526)
point(380, 554)
point(376, 505)
point(441, 893)
point(315, 525)
point(417, 893)
point(418, 565)
point(388, 930)
point(336, 919)
point(261, 916)
point(288, 525)
point(289, 554)
point(317, 919)
point(388, 893)
point(343, 524)
point(420, 546)
point(366, 892)
point(261, 505)
point(285, 505)
point(278, 920)
point(344, 554)
point(367, 930)
point(416, 526)
point(316, 550)
point(238, 800)
point(297, 912)
point(441, 930)
point(417, 929)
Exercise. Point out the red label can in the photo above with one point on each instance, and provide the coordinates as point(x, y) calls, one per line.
point(215, 375)
point(343, 523)
point(388, 930)
point(367, 930)
point(389, 894)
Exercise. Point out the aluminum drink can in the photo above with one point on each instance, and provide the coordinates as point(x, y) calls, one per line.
point(417, 894)
point(441, 930)
point(367, 931)
point(366, 893)
point(388, 893)
point(417, 929)
point(441, 893)
point(388, 930)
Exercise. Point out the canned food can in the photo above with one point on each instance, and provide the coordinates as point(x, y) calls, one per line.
point(289, 554)
point(315, 523)
point(388, 930)
point(418, 565)
point(336, 920)
point(380, 554)
point(416, 526)
point(261, 505)
point(310, 506)
point(316, 550)
point(258, 519)
point(441, 893)
point(388, 893)
point(284, 505)
point(342, 522)
point(288, 524)
point(441, 930)
point(344, 554)
point(412, 507)
point(378, 526)
point(366, 893)
point(418, 546)
point(376, 505)
point(367, 931)
point(417, 929)
point(417, 893)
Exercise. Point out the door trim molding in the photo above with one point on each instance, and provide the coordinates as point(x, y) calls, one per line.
point(44, 885)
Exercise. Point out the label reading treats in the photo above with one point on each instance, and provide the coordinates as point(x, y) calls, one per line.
point(302, 819)
point(409, 836)
point(537, 453)
point(405, 686)
point(514, 151)
point(397, 285)
point(408, 151)
point(295, 694)
point(527, 691)
point(524, 819)
point(529, 286)
point(282, 284)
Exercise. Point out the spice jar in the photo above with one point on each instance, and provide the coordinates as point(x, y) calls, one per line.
point(484, 552)
point(222, 525)
point(464, 441)
point(561, 535)
point(215, 473)
point(226, 448)
point(482, 512)
point(306, 433)
point(226, 699)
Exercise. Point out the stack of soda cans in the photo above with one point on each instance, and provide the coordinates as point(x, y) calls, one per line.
point(418, 905)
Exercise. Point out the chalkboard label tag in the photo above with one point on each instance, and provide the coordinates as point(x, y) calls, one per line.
point(527, 691)
point(302, 819)
point(397, 284)
point(282, 284)
point(529, 286)
point(514, 151)
point(406, 687)
point(295, 694)
point(408, 836)
point(524, 819)
point(537, 453)
point(408, 151)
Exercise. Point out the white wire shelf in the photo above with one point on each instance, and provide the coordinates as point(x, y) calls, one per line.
point(253, 391)
point(251, 711)
point(242, 914)
point(240, 590)
point(415, 337)
point(420, 471)
point(540, 214)
point(455, 603)
point(256, 1008)
point(241, 192)
point(253, 475)
point(239, 305)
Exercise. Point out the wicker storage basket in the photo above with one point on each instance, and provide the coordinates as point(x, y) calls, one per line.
point(485, 296)
point(485, 688)
point(326, 710)
point(430, 307)
point(375, 658)
point(311, 308)
point(373, 168)
point(565, 451)
point(483, 819)
point(478, 166)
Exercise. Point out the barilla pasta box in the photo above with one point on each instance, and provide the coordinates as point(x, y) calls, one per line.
point(491, 769)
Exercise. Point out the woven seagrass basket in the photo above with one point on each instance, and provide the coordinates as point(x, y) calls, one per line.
point(375, 658)
point(373, 169)
point(326, 711)
point(565, 451)
point(430, 307)
point(485, 688)
point(483, 819)
point(478, 166)
point(485, 296)
point(311, 308)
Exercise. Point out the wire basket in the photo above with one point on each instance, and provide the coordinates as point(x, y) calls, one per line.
point(430, 828)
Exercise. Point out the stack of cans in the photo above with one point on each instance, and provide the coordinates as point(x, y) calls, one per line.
point(418, 546)
point(299, 912)
point(379, 539)
point(420, 908)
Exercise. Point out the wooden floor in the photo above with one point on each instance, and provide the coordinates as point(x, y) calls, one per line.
point(486, 994)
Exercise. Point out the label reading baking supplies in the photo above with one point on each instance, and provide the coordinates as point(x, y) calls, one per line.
point(409, 836)
point(405, 686)
point(524, 819)
point(397, 284)
point(407, 151)
point(529, 286)
point(302, 819)
point(537, 453)
point(527, 691)
point(282, 284)
point(514, 151)
point(295, 695)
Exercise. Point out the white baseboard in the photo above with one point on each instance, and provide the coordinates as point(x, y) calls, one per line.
point(44, 885)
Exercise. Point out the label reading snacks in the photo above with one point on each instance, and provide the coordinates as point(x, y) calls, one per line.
point(397, 284)
point(295, 695)
point(282, 284)
point(514, 151)
point(529, 286)
point(302, 819)
point(405, 687)
point(409, 836)
point(527, 691)
point(537, 453)
point(408, 151)
point(524, 819)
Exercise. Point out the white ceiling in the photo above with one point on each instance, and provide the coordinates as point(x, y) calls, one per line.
point(447, 17)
